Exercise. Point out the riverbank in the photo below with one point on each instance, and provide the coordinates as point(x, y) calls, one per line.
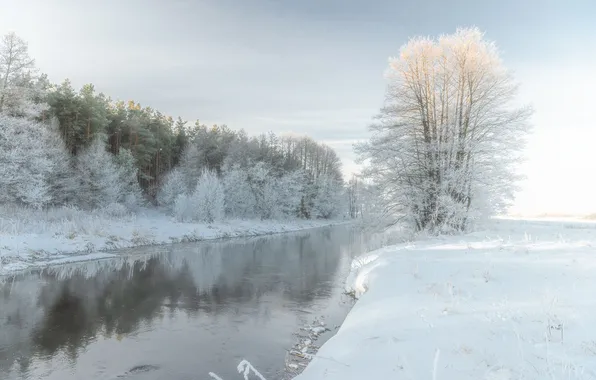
point(514, 301)
point(30, 238)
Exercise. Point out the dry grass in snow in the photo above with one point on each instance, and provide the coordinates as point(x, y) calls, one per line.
point(31, 238)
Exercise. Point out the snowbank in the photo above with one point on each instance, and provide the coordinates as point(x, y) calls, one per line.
point(516, 302)
point(30, 238)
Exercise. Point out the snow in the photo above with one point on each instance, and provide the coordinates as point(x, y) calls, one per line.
point(515, 301)
point(30, 238)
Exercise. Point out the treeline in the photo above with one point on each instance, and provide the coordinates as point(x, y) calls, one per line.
point(61, 146)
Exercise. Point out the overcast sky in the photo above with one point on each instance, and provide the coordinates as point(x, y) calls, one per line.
point(316, 66)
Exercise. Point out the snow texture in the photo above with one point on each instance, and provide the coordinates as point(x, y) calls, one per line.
point(513, 302)
point(33, 238)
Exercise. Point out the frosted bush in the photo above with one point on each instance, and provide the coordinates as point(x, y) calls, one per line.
point(116, 210)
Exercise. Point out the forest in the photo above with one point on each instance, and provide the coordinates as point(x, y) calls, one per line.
point(60, 146)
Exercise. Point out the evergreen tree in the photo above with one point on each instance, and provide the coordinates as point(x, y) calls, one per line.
point(98, 176)
point(131, 196)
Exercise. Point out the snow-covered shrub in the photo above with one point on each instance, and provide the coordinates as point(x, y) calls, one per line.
point(173, 185)
point(116, 210)
point(98, 176)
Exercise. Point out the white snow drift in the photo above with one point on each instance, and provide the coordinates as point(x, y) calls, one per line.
point(516, 302)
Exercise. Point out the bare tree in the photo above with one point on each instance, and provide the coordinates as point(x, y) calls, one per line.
point(14, 62)
point(449, 136)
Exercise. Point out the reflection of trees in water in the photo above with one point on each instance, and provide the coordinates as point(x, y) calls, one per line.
point(65, 308)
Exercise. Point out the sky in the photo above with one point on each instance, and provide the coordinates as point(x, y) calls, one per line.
point(316, 67)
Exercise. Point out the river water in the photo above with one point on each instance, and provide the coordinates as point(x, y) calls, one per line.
point(176, 312)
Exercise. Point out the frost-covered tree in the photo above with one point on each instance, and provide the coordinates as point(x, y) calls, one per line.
point(263, 187)
point(15, 63)
point(192, 164)
point(184, 208)
point(449, 135)
point(209, 198)
point(131, 195)
point(174, 184)
point(98, 176)
point(271, 196)
point(240, 200)
point(62, 182)
point(26, 97)
point(205, 204)
point(329, 200)
point(289, 190)
point(25, 165)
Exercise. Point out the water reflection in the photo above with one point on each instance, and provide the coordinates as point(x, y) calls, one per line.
point(233, 297)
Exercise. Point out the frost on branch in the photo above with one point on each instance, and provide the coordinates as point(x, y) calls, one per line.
point(205, 204)
point(264, 189)
point(173, 185)
point(328, 199)
point(240, 201)
point(446, 144)
point(290, 190)
point(131, 194)
point(209, 198)
point(26, 163)
point(62, 183)
point(98, 176)
point(15, 71)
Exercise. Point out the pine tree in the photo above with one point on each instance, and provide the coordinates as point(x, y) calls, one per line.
point(173, 186)
point(131, 196)
point(98, 176)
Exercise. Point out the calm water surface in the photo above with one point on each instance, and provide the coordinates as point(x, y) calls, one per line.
point(175, 312)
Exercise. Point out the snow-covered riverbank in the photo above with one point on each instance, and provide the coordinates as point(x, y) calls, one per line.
point(35, 238)
point(515, 302)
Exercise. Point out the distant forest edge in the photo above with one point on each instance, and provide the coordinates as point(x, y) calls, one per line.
point(59, 146)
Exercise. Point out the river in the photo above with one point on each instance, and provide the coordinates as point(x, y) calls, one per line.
point(176, 312)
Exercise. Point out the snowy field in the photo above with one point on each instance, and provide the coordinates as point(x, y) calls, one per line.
point(516, 302)
point(30, 238)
